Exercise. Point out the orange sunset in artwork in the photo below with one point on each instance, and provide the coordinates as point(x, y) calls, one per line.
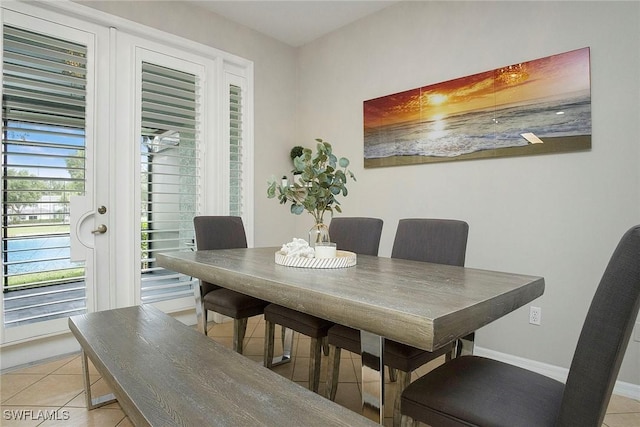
point(535, 102)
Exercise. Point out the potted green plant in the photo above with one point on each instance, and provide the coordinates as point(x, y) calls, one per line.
point(322, 178)
point(296, 152)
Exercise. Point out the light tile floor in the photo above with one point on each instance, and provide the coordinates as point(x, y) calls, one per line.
point(51, 393)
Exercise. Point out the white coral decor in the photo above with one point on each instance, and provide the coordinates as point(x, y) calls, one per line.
point(298, 248)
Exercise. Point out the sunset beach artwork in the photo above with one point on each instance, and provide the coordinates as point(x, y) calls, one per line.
point(535, 107)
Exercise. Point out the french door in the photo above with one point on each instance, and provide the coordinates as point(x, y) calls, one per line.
point(159, 145)
point(62, 211)
point(111, 139)
point(55, 206)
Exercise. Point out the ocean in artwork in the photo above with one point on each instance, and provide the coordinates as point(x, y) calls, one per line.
point(475, 131)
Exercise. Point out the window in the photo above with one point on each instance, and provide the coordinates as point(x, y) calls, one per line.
point(237, 137)
point(169, 176)
point(235, 151)
point(43, 137)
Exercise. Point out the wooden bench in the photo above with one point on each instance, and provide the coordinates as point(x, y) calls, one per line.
point(164, 373)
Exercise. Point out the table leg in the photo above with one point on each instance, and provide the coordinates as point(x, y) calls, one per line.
point(201, 313)
point(464, 346)
point(93, 403)
point(287, 344)
point(372, 349)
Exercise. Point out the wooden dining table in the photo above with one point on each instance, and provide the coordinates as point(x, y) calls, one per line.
point(421, 304)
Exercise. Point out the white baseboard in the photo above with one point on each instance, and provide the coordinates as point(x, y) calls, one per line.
point(621, 388)
point(18, 356)
point(33, 352)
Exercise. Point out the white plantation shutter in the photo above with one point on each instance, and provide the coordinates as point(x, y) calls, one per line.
point(43, 159)
point(235, 151)
point(170, 176)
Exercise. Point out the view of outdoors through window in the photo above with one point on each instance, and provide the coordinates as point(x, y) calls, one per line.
point(42, 168)
point(169, 176)
point(43, 165)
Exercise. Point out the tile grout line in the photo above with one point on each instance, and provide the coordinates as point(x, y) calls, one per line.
point(297, 367)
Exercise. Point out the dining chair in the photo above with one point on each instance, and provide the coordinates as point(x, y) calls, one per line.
point(355, 234)
point(472, 390)
point(223, 232)
point(442, 241)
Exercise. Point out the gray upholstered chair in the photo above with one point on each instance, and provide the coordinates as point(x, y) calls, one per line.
point(439, 241)
point(472, 390)
point(224, 232)
point(355, 234)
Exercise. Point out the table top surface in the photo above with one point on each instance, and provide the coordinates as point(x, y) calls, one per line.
point(417, 303)
point(165, 373)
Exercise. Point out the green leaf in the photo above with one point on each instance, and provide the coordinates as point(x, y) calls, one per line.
point(299, 163)
point(271, 190)
point(344, 162)
point(297, 209)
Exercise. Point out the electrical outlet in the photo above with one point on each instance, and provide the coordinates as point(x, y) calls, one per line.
point(535, 315)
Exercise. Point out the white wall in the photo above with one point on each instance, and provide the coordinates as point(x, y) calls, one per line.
point(558, 216)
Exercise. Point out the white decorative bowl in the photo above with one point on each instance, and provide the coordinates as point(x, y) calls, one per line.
point(343, 259)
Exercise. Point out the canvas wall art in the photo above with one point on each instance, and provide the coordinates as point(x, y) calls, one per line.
point(535, 107)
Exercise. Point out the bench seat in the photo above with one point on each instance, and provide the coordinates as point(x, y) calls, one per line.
point(164, 373)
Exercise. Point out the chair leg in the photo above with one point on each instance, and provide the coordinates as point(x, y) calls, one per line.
point(462, 347)
point(407, 421)
point(269, 332)
point(404, 379)
point(239, 329)
point(333, 371)
point(393, 374)
point(454, 351)
point(315, 359)
point(203, 323)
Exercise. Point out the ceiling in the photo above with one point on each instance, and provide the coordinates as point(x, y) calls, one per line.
point(294, 22)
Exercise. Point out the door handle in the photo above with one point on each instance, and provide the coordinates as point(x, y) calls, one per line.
point(100, 230)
